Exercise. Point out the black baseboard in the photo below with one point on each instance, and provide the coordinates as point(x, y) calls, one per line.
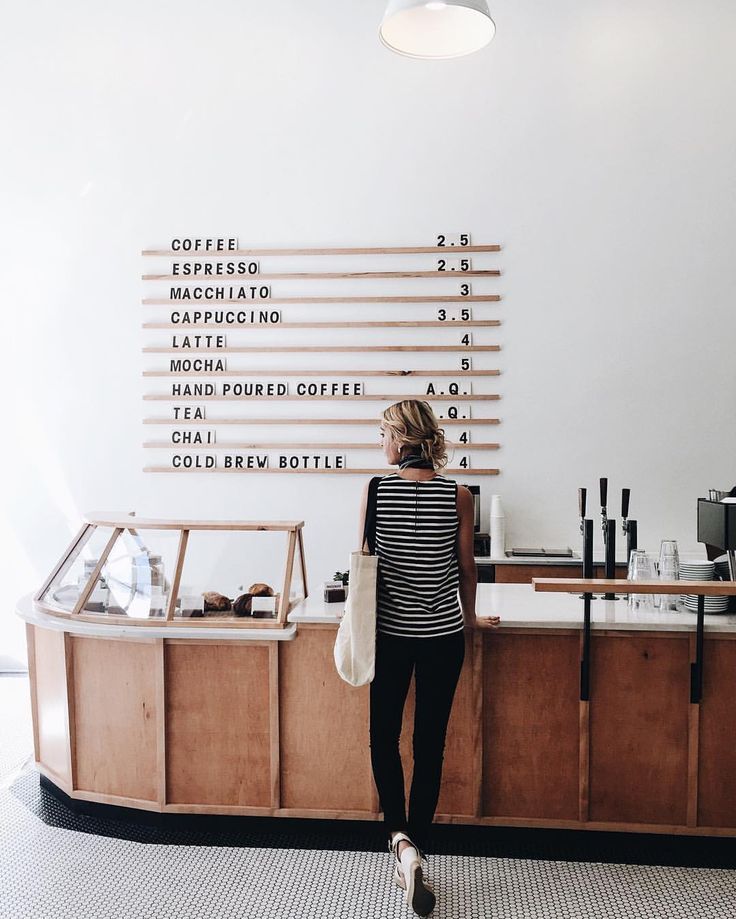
point(56, 808)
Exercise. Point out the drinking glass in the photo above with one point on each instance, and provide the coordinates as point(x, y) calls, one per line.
point(157, 607)
point(641, 568)
point(669, 570)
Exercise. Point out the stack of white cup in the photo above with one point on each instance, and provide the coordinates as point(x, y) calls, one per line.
point(498, 528)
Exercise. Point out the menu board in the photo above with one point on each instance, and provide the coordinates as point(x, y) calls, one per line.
point(249, 351)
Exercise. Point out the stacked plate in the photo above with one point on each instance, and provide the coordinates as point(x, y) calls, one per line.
point(701, 570)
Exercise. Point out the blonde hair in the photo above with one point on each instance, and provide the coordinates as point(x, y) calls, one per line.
point(412, 423)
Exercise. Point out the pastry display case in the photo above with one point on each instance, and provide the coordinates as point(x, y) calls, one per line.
point(120, 568)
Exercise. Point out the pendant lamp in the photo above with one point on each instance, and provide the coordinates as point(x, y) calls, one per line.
point(436, 29)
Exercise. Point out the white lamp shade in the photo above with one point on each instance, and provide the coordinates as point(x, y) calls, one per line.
point(436, 29)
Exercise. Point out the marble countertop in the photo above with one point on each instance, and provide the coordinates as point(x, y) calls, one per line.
point(520, 606)
point(27, 610)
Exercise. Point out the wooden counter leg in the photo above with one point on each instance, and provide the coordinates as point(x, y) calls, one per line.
point(273, 680)
point(161, 721)
point(69, 710)
point(476, 649)
point(584, 762)
point(32, 676)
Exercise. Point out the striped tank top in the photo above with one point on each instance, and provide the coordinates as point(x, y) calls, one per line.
point(416, 533)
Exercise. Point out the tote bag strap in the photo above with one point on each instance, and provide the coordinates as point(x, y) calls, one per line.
point(369, 530)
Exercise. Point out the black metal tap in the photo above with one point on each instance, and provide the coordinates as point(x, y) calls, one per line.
point(604, 502)
point(586, 530)
point(582, 499)
point(628, 527)
point(609, 537)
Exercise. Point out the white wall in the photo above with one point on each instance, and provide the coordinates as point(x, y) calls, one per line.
point(595, 140)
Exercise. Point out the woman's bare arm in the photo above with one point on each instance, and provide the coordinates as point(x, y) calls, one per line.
point(466, 559)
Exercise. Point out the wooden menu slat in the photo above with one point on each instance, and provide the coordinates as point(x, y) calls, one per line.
point(300, 301)
point(288, 349)
point(279, 445)
point(343, 250)
point(376, 471)
point(372, 397)
point(321, 373)
point(430, 323)
point(204, 422)
point(326, 275)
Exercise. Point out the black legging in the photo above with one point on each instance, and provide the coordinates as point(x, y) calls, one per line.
point(437, 663)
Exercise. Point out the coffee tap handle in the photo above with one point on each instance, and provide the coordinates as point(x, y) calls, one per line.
point(625, 495)
point(604, 492)
point(582, 494)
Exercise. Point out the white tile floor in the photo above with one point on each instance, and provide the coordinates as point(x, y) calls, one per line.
point(47, 872)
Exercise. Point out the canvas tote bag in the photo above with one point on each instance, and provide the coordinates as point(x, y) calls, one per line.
point(355, 643)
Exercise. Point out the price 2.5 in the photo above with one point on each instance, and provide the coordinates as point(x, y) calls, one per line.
point(453, 239)
point(453, 264)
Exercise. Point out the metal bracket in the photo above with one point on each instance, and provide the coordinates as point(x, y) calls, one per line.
point(585, 658)
point(696, 667)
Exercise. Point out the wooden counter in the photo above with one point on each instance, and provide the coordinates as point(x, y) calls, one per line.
point(241, 724)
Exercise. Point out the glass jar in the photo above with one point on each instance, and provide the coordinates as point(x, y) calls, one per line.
point(99, 599)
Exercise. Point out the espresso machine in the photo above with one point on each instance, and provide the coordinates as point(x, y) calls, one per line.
point(717, 529)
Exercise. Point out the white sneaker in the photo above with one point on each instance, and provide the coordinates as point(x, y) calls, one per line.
point(409, 876)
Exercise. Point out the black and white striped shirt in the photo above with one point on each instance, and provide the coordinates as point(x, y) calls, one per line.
point(416, 533)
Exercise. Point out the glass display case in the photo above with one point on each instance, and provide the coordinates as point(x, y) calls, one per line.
point(140, 571)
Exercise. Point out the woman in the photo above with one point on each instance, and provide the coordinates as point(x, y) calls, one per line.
point(424, 544)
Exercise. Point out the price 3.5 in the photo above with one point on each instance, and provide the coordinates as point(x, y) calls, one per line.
point(463, 315)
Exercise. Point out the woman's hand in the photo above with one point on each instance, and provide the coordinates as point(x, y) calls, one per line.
point(484, 622)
